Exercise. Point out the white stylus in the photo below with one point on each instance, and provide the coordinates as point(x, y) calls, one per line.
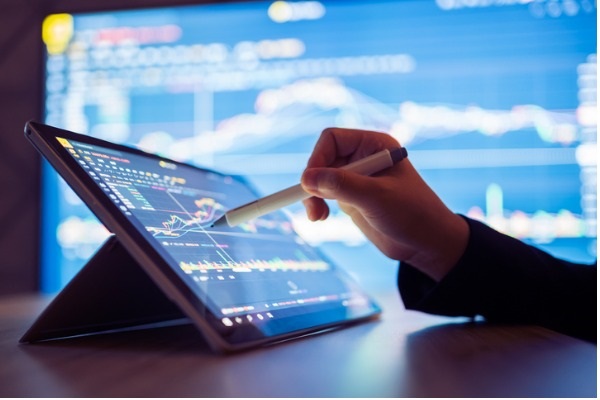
point(366, 166)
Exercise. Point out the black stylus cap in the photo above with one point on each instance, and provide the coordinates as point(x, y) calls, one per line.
point(398, 154)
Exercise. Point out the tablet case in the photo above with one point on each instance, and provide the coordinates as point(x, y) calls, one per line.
point(111, 292)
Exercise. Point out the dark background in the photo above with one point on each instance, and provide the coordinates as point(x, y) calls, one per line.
point(21, 88)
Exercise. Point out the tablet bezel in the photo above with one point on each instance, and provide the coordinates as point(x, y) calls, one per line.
point(44, 139)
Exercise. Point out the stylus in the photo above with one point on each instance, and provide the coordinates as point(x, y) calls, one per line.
point(366, 166)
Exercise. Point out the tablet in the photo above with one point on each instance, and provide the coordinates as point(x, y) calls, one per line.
point(250, 285)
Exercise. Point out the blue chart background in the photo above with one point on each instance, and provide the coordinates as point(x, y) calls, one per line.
point(493, 102)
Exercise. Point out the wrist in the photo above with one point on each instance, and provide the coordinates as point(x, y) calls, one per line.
point(445, 249)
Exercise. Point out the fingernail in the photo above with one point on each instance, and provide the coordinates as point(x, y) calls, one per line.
point(327, 181)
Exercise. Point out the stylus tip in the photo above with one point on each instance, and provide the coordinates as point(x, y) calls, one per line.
point(220, 221)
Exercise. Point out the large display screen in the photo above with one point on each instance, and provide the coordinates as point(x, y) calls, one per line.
point(495, 101)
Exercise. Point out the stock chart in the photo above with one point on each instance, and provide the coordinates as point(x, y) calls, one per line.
point(258, 266)
point(495, 100)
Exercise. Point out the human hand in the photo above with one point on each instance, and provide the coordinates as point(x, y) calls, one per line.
point(395, 209)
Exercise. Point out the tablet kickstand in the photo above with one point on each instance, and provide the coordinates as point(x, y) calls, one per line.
point(111, 292)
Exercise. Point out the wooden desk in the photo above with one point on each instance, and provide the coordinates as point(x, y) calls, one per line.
point(403, 354)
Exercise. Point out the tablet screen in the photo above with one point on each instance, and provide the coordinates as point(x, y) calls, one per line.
point(259, 274)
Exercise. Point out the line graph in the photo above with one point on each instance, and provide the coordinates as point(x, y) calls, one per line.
point(207, 209)
point(182, 222)
point(177, 226)
point(181, 226)
point(525, 123)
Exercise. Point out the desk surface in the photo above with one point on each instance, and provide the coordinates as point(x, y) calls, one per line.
point(405, 354)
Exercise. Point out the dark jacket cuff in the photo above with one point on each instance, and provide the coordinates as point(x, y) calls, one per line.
point(504, 279)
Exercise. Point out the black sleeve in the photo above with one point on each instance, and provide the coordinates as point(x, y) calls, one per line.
point(506, 280)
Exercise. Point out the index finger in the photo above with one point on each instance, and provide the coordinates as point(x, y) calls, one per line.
point(338, 146)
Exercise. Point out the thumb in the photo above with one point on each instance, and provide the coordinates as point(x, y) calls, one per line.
point(336, 183)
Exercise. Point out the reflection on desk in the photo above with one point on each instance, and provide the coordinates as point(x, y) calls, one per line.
point(404, 354)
